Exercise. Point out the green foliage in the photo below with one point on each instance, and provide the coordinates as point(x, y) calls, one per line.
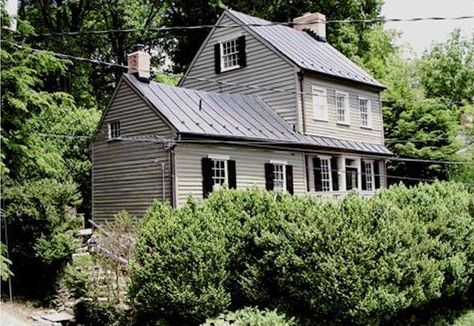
point(446, 71)
point(41, 229)
point(5, 263)
point(355, 261)
point(251, 317)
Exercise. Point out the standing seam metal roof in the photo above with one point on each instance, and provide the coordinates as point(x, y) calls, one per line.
point(233, 116)
point(306, 51)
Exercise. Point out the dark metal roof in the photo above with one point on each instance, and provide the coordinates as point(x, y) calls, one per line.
point(239, 117)
point(306, 51)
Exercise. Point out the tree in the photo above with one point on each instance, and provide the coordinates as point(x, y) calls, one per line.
point(446, 71)
point(41, 169)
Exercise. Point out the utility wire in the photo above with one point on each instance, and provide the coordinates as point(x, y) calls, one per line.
point(269, 24)
point(219, 82)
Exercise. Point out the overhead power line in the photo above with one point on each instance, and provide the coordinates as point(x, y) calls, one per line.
point(226, 83)
point(270, 24)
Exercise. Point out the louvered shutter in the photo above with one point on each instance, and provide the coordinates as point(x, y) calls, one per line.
point(377, 174)
point(207, 182)
point(335, 175)
point(364, 178)
point(269, 176)
point(289, 178)
point(217, 58)
point(242, 53)
point(231, 174)
point(317, 174)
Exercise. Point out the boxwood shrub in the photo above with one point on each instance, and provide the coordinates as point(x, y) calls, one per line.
point(358, 261)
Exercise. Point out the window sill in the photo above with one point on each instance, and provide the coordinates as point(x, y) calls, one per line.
point(223, 70)
point(321, 120)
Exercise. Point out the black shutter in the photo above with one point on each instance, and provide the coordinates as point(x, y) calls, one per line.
point(217, 58)
point(231, 173)
point(363, 172)
point(317, 174)
point(289, 178)
point(241, 49)
point(377, 174)
point(335, 175)
point(269, 176)
point(207, 181)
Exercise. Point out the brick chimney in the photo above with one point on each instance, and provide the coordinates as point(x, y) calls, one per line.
point(314, 22)
point(139, 64)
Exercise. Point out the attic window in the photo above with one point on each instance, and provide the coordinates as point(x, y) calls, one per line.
point(114, 130)
point(230, 54)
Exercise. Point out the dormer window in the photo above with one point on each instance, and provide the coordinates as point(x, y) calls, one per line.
point(230, 54)
point(114, 130)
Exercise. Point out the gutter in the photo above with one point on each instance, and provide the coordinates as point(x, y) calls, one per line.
point(301, 80)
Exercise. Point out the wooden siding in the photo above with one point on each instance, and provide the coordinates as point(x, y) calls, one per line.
point(127, 175)
point(250, 167)
point(354, 131)
point(264, 68)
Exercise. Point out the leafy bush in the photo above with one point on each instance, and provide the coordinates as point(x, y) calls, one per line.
point(359, 260)
point(41, 227)
point(250, 317)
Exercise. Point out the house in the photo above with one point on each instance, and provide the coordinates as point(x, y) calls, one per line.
point(274, 106)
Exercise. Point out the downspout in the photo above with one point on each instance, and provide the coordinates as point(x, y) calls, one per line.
point(301, 80)
point(303, 118)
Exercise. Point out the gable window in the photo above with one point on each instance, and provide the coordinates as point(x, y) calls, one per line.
point(365, 116)
point(216, 171)
point(369, 175)
point(342, 108)
point(114, 130)
point(230, 54)
point(320, 106)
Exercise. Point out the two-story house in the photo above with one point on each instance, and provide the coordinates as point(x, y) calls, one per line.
point(261, 105)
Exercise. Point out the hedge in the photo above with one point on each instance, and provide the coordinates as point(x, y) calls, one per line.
point(360, 261)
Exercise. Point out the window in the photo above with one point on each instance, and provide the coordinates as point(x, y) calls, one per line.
point(219, 175)
point(320, 105)
point(369, 175)
point(342, 108)
point(114, 130)
point(229, 55)
point(279, 177)
point(365, 116)
point(326, 182)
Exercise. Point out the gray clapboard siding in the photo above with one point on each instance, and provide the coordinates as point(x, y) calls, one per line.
point(127, 175)
point(250, 167)
point(264, 68)
point(354, 131)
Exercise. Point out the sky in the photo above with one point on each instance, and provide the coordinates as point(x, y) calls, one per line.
point(420, 35)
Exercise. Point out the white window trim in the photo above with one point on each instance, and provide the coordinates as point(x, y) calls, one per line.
point(223, 158)
point(283, 164)
point(315, 90)
point(369, 113)
point(109, 126)
point(221, 50)
point(371, 162)
point(328, 159)
point(347, 114)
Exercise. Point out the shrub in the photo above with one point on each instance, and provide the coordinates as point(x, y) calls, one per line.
point(359, 260)
point(251, 317)
point(41, 227)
